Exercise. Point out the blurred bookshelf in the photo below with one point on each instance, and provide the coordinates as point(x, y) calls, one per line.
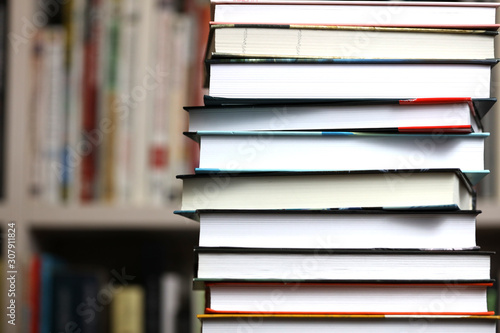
point(92, 142)
point(125, 258)
point(111, 204)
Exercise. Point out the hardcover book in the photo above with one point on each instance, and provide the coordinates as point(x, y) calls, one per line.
point(333, 228)
point(292, 150)
point(348, 78)
point(334, 41)
point(277, 265)
point(421, 115)
point(335, 189)
point(400, 13)
point(348, 298)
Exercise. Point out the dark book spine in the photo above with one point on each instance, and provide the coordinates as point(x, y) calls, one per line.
point(152, 288)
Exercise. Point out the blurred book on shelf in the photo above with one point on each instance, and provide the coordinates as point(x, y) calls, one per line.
point(93, 294)
point(127, 310)
point(111, 78)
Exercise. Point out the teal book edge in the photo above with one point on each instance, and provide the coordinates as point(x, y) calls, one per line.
point(474, 176)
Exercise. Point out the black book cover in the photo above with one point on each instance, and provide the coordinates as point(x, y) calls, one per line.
point(325, 251)
point(323, 61)
point(481, 105)
point(195, 214)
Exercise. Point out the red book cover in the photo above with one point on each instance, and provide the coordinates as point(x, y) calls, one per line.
point(34, 294)
point(89, 108)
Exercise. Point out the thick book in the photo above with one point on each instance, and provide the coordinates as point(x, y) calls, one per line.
point(241, 151)
point(348, 78)
point(334, 41)
point(334, 189)
point(279, 265)
point(170, 301)
point(348, 298)
point(394, 13)
point(447, 115)
point(332, 228)
point(286, 323)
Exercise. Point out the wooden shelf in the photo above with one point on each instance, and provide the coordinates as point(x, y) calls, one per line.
point(116, 217)
point(107, 217)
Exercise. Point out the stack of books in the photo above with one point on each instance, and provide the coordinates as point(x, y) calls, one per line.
point(340, 143)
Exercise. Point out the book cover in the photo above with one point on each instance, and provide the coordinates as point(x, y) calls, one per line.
point(449, 115)
point(481, 105)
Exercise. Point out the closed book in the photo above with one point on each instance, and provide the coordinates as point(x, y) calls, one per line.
point(334, 189)
point(447, 115)
point(333, 41)
point(333, 228)
point(276, 265)
point(259, 323)
point(304, 150)
point(348, 78)
point(395, 13)
point(349, 298)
